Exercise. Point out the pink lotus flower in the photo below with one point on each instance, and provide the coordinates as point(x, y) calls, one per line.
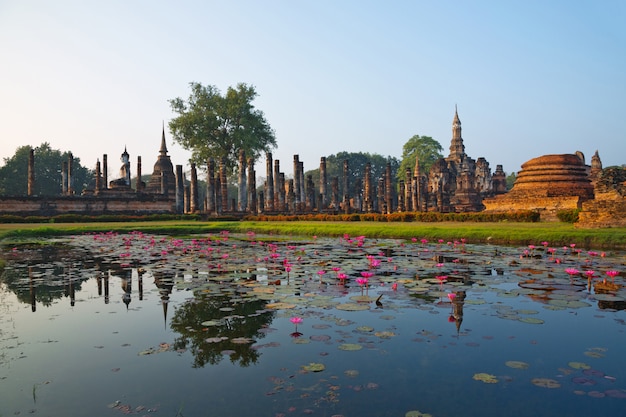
point(296, 320)
point(342, 276)
point(589, 273)
point(612, 274)
point(451, 296)
point(394, 286)
point(361, 281)
point(367, 274)
point(572, 271)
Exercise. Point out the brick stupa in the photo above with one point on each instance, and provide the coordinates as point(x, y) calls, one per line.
point(547, 184)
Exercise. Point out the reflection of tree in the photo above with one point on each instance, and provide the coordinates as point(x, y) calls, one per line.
point(37, 276)
point(242, 321)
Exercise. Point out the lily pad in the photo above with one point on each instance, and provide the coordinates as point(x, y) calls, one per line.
point(415, 413)
point(486, 378)
point(314, 367)
point(516, 364)
point(545, 383)
point(385, 334)
point(280, 306)
point(531, 320)
point(350, 346)
point(578, 365)
point(352, 307)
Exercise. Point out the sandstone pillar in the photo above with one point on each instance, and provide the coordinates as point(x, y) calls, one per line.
point(323, 182)
point(139, 184)
point(334, 190)
point(388, 189)
point(64, 178)
point(187, 199)
point(380, 193)
point(296, 183)
point(242, 192)
point(31, 172)
point(401, 196)
point(252, 197)
point(210, 187)
point(70, 174)
point(98, 178)
point(180, 190)
point(277, 190)
point(367, 189)
point(291, 197)
point(164, 190)
point(193, 190)
point(408, 194)
point(269, 206)
point(302, 186)
point(282, 191)
point(223, 185)
point(346, 185)
point(105, 172)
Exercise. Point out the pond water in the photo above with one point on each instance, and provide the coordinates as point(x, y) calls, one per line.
point(243, 325)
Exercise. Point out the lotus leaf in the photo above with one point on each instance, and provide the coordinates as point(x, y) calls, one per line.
point(280, 306)
point(352, 307)
point(486, 378)
point(545, 383)
point(350, 346)
point(314, 367)
point(385, 335)
point(516, 364)
point(415, 413)
point(578, 365)
point(531, 320)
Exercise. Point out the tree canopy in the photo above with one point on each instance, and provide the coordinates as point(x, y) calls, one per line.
point(212, 125)
point(356, 168)
point(48, 162)
point(427, 149)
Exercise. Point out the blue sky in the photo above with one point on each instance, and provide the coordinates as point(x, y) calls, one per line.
point(529, 77)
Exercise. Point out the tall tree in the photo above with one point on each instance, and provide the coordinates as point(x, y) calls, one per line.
point(48, 163)
point(427, 149)
point(210, 124)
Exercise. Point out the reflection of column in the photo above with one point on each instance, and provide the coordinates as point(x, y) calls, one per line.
point(106, 289)
point(457, 309)
point(140, 285)
point(33, 290)
point(99, 282)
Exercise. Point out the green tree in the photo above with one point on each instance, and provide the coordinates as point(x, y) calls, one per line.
point(510, 180)
point(48, 163)
point(356, 168)
point(427, 149)
point(212, 125)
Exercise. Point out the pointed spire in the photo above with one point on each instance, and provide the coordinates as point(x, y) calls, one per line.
point(163, 150)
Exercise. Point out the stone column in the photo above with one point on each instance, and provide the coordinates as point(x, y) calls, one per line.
point(310, 193)
point(180, 190)
point(346, 185)
point(334, 190)
point(323, 182)
point(70, 174)
point(242, 192)
point(139, 184)
point(64, 178)
point(408, 194)
point(302, 186)
point(187, 198)
point(218, 195)
point(210, 187)
point(282, 191)
point(270, 182)
point(279, 194)
point(380, 193)
point(367, 188)
point(98, 178)
point(252, 198)
point(223, 185)
point(31, 172)
point(291, 197)
point(401, 196)
point(388, 189)
point(296, 183)
point(105, 172)
point(193, 190)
